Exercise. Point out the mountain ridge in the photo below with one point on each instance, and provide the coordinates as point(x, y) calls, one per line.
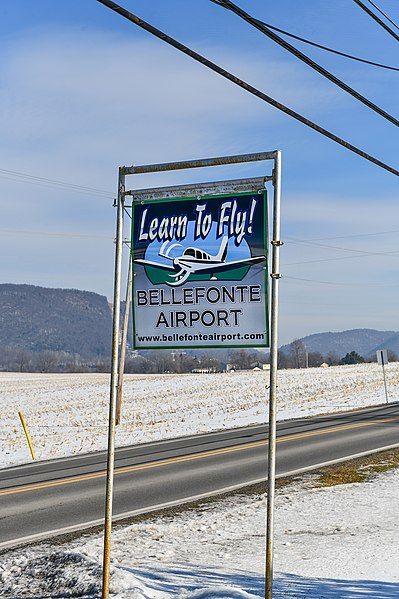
point(362, 340)
point(42, 318)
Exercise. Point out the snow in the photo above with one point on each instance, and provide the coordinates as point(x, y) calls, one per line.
point(331, 543)
point(67, 413)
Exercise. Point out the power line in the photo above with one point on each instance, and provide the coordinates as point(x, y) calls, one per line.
point(58, 187)
point(332, 50)
point(334, 247)
point(359, 253)
point(54, 181)
point(355, 235)
point(263, 28)
point(53, 234)
point(366, 255)
point(339, 284)
point(384, 14)
point(377, 19)
point(20, 177)
point(243, 84)
point(326, 260)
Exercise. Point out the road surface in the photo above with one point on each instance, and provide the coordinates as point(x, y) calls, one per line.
point(40, 500)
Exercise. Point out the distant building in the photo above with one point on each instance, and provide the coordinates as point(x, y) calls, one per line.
point(324, 365)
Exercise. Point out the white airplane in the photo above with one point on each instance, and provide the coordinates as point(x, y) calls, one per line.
point(194, 260)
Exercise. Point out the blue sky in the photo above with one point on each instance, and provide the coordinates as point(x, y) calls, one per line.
point(83, 91)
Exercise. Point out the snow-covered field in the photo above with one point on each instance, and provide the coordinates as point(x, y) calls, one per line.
point(331, 543)
point(67, 413)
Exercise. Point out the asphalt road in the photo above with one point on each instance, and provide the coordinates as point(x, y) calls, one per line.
point(40, 500)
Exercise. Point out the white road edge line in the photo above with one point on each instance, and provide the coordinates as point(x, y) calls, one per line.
point(118, 517)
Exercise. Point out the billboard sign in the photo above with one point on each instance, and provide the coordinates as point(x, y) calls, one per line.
point(200, 272)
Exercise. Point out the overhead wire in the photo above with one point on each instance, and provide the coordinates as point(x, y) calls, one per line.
point(342, 249)
point(377, 19)
point(67, 234)
point(263, 28)
point(20, 177)
point(384, 14)
point(57, 187)
point(331, 50)
point(302, 262)
point(243, 84)
point(339, 284)
point(358, 253)
point(354, 235)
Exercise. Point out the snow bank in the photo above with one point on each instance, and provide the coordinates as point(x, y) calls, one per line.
point(331, 543)
point(67, 413)
point(69, 574)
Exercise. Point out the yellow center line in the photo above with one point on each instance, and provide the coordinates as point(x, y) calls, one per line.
point(191, 457)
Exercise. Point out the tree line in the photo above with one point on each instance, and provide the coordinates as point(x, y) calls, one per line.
point(143, 362)
point(297, 356)
point(168, 361)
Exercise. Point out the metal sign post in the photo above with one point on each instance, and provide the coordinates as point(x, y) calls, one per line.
point(382, 359)
point(271, 475)
point(228, 213)
point(125, 329)
point(113, 385)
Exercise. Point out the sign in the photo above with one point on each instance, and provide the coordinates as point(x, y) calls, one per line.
point(200, 272)
point(382, 357)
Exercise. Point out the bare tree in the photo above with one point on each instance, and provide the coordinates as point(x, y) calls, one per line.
point(242, 359)
point(392, 356)
point(297, 350)
point(315, 358)
point(47, 361)
point(23, 359)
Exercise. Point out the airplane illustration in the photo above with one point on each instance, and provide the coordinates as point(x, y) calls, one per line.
point(194, 260)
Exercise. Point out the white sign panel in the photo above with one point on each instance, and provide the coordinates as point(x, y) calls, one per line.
point(382, 357)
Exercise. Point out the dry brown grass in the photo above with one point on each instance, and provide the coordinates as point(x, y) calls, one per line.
point(357, 471)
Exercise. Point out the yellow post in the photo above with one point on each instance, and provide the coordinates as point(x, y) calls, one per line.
point(22, 419)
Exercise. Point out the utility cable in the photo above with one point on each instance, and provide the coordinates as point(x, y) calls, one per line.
point(263, 28)
point(384, 14)
point(332, 50)
point(35, 180)
point(243, 84)
point(377, 19)
point(60, 234)
point(339, 284)
point(301, 263)
point(354, 235)
point(342, 249)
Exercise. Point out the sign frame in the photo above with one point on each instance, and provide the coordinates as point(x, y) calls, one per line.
point(116, 383)
point(265, 235)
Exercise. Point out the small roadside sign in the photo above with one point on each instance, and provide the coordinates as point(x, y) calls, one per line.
point(382, 357)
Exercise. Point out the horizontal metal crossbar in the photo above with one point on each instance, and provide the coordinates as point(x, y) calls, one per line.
point(198, 189)
point(204, 162)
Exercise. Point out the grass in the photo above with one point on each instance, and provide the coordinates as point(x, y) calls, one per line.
point(359, 470)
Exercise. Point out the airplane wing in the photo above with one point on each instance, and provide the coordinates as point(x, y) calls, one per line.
point(154, 264)
point(234, 264)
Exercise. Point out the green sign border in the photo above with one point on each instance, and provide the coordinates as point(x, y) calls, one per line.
point(266, 343)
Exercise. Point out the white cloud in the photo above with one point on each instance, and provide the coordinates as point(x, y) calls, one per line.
point(97, 93)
